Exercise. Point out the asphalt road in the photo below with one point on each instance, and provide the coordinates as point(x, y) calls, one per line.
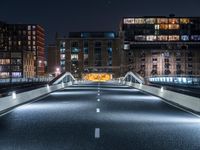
point(119, 118)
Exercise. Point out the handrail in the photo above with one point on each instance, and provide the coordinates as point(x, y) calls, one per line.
point(136, 76)
point(61, 77)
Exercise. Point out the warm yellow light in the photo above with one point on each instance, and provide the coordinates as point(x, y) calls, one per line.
point(98, 77)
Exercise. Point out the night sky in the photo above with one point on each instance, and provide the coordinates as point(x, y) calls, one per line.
point(63, 16)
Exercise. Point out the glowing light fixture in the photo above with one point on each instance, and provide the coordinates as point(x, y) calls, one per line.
point(14, 96)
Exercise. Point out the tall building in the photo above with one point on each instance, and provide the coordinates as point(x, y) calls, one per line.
point(53, 59)
point(19, 44)
point(86, 52)
point(161, 45)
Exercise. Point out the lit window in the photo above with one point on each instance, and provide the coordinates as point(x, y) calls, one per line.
point(16, 74)
point(74, 50)
point(74, 57)
point(29, 37)
point(19, 43)
point(150, 21)
point(62, 50)
point(157, 27)
point(195, 37)
point(139, 21)
point(185, 38)
point(29, 27)
point(162, 38)
point(151, 38)
point(184, 20)
point(33, 32)
point(129, 21)
point(162, 20)
point(62, 63)
point(174, 26)
point(174, 38)
point(33, 42)
point(173, 20)
point(62, 56)
point(164, 26)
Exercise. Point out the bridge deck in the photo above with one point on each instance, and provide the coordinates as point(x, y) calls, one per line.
point(119, 118)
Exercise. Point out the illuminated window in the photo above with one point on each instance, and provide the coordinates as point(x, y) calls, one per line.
point(140, 38)
point(150, 21)
point(19, 43)
point(157, 27)
point(139, 21)
point(62, 50)
point(151, 38)
point(173, 20)
point(62, 56)
point(126, 46)
point(162, 38)
point(4, 61)
point(29, 27)
point(33, 42)
point(16, 74)
point(33, 32)
point(29, 37)
point(129, 21)
point(162, 20)
point(4, 74)
point(74, 50)
point(29, 42)
point(195, 37)
point(184, 20)
point(62, 63)
point(174, 38)
point(174, 26)
point(185, 38)
point(164, 26)
point(74, 57)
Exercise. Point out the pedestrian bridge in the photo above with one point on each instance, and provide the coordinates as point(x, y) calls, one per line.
point(120, 114)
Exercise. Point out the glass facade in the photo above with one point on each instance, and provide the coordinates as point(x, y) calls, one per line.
point(161, 29)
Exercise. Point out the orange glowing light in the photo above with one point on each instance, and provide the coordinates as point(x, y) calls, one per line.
point(98, 77)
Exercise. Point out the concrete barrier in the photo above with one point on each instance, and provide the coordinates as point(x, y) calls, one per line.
point(189, 102)
point(18, 99)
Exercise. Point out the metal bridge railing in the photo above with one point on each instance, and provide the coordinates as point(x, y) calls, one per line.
point(186, 80)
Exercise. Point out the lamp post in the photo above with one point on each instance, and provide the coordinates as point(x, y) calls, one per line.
point(57, 72)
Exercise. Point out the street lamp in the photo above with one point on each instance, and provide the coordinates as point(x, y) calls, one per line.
point(57, 71)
